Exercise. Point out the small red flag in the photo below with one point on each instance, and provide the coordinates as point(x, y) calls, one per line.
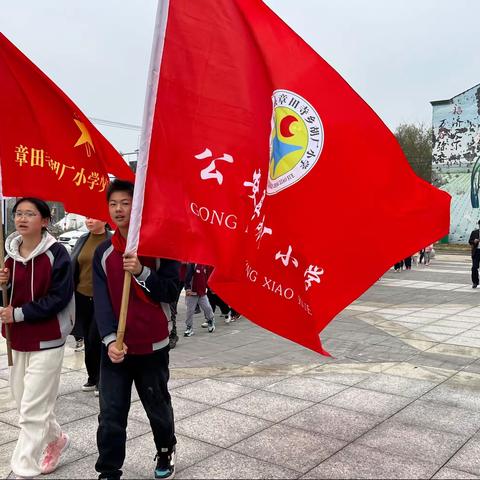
point(260, 159)
point(48, 147)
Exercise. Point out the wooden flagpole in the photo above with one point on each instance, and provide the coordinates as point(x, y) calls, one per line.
point(4, 287)
point(127, 280)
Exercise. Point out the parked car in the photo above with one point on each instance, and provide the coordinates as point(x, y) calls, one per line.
point(68, 239)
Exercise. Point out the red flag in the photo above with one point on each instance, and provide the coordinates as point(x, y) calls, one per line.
point(48, 147)
point(265, 163)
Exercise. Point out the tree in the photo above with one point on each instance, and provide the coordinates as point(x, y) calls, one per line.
point(416, 142)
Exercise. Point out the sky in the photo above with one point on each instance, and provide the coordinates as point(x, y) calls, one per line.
point(397, 55)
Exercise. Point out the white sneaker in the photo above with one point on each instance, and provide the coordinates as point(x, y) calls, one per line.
point(204, 325)
point(79, 346)
point(228, 318)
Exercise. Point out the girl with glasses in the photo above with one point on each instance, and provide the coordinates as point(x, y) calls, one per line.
point(41, 315)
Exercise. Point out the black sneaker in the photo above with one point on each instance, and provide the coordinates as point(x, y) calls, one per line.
point(165, 463)
point(89, 387)
point(475, 285)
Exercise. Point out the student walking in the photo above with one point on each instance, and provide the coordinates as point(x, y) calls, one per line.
point(196, 295)
point(82, 257)
point(41, 316)
point(144, 357)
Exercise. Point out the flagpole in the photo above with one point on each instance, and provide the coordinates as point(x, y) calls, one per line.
point(127, 280)
point(144, 153)
point(4, 287)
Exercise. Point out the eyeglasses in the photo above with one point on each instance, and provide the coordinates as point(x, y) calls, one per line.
point(24, 214)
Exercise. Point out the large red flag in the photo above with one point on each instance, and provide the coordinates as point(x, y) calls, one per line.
point(258, 158)
point(48, 147)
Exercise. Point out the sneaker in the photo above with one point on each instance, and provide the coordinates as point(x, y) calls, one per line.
point(165, 464)
point(235, 317)
point(228, 318)
point(88, 387)
point(204, 325)
point(96, 392)
point(79, 346)
point(475, 285)
point(53, 452)
point(188, 332)
point(211, 327)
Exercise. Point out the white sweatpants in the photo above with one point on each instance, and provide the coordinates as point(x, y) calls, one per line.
point(34, 381)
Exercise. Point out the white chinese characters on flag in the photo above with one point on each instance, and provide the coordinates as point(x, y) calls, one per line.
point(259, 159)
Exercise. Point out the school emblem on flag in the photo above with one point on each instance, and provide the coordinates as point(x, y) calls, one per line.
point(296, 140)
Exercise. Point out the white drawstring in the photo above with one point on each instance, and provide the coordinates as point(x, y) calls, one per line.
point(33, 272)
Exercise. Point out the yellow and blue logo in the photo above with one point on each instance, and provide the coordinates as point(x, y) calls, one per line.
point(296, 140)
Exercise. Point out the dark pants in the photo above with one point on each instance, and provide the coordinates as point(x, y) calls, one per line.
point(85, 316)
point(216, 301)
point(150, 374)
point(174, 311)
point(408, 263)
point(475, 265)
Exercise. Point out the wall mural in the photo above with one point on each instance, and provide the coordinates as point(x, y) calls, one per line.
point(456, 158)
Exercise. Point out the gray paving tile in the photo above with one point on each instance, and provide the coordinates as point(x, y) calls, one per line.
point(179, 382)
point(83, 433)
point(360, 461)
point(85, 468)
point(211, 392)
point(71, 382)
point(348, 379)
point(253, 381)
point(413, 441)
point(367, 401)
point(289, 447)
point(267, 405)
point(8, 433)
point(451, 473)
point(306, 388)
point(232, 465)
point(405, 387)
point(468, 458)
point(461, 397)
point(220, 427)
point(440, 416)
point(333, 421)
point(5, 455)
point(6, 400)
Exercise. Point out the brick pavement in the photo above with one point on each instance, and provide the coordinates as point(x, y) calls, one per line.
point(401, 398)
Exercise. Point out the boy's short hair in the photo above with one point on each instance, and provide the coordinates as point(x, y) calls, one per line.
point(118, 185)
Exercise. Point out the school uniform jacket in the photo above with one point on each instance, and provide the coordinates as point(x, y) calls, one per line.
point(41, 292)
point(148, 322)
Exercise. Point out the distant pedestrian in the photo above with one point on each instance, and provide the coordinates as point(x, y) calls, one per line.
point(398, 266)
point(82, 257)
point(428, 254)
point(408, 263)
point(421, 256)
point(196, 294)
point(474, 242)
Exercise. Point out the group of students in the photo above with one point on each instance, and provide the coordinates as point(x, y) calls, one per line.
point(424, 254)
point(199, 296)
point(47, 289)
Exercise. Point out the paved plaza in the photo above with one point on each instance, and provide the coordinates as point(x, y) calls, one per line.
point(401, 398)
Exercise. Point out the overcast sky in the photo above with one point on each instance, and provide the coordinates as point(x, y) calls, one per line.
point(398, 55)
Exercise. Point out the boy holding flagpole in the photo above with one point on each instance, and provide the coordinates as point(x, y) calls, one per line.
point(143, 357)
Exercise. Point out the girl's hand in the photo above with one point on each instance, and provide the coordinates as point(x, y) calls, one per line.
point(6, 314)
point(4, 276)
